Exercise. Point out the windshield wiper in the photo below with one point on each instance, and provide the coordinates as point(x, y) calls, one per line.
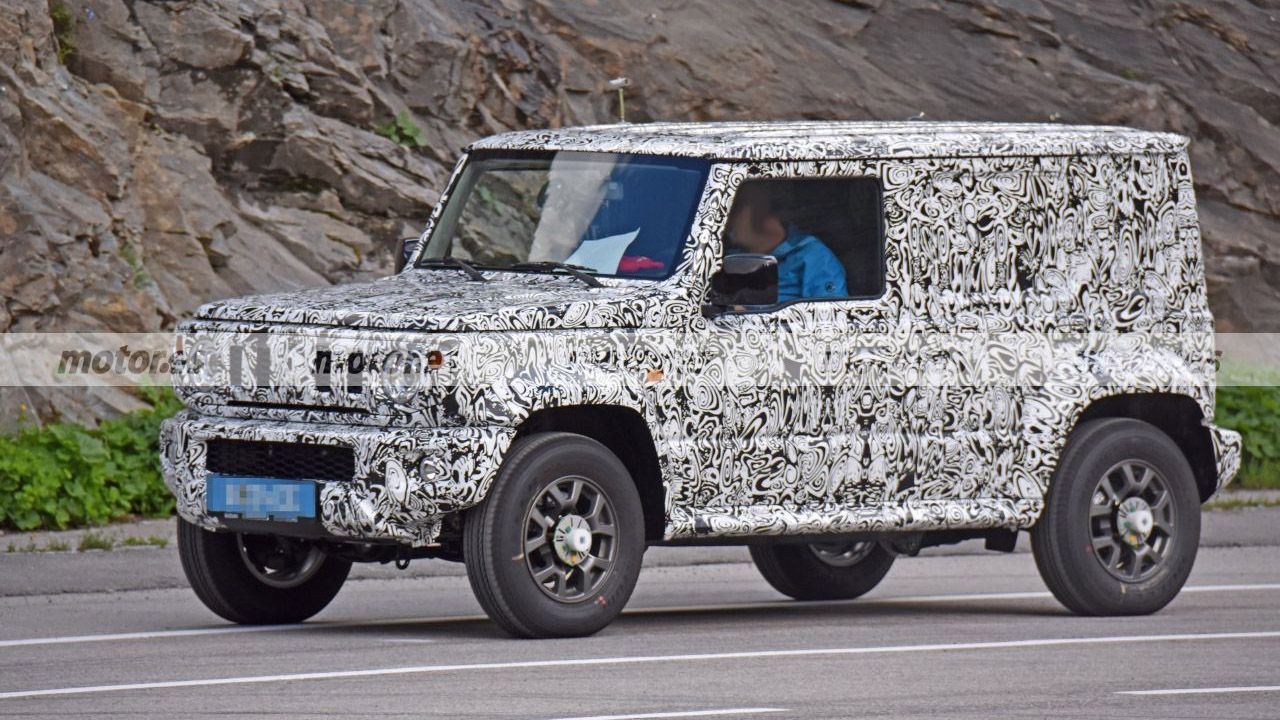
point(453, 262)
point(574, 270)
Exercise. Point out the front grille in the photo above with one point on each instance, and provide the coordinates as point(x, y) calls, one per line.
point(288, 461)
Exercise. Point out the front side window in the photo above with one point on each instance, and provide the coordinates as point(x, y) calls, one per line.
point(826, 234)
point(605, 213)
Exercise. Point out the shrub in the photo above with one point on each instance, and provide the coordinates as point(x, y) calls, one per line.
point(404, 131)
point(1254, 411)
point(64, 31)
point(65, 475)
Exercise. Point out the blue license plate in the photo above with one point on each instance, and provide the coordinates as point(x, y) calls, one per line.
point(261, 498)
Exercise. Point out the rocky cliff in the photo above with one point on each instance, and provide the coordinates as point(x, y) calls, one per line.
point(154, 155)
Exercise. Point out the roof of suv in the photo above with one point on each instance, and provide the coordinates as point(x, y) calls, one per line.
point(810, 140)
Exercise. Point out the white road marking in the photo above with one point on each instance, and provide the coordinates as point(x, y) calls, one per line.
point(686, 714)
point(161, 634)
point(415, 641)
point(1227, 588)
point(768, 605)
point(643, 659)
point(152, 635)
point(1203, 691)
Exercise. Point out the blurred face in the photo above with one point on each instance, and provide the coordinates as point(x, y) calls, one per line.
point(752, 227)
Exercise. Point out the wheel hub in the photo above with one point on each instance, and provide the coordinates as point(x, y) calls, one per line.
point(572, 539)
point(1135, 521)
point(1131, 521)
point(842, 554)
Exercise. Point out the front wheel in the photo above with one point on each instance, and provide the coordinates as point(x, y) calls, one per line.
point(823, 571)
point(1121, 523)
point(555, 549)
point(259, 579)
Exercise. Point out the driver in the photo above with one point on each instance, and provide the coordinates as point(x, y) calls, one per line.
point(806, 266)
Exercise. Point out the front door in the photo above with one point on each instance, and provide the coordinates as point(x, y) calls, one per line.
point(813, 387)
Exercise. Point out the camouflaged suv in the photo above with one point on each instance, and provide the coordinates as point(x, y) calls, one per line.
point(835, 342)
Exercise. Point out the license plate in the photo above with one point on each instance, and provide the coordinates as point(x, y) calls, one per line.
point(261, 498)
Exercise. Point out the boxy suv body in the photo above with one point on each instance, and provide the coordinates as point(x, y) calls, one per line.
point(967, 330)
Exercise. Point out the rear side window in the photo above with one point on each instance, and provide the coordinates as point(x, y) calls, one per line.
point(827, 234)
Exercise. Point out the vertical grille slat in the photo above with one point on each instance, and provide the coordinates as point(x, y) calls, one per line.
point(284, 460)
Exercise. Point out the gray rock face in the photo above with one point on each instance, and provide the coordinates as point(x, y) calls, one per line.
point(193, 150)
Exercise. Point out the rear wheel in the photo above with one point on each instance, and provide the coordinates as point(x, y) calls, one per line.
point(555, 549)
point(823, 571)
point(1121, 523)
point(259, 579)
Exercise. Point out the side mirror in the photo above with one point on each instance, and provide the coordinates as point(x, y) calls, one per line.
point(743, 280)
point(408, 246)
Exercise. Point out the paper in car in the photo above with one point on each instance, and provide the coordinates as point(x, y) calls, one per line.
point(604, 254)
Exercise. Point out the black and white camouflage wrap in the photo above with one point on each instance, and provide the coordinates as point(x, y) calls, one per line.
point(828, 416)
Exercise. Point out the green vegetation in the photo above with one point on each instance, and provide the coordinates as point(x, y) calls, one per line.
point(89, 541)
point(149, 541)
point(64, 31)
point(1237, 503)
point(141, 278)
point(404, 131)
point(94, 541)
point(65, 475)
point(1254, 411)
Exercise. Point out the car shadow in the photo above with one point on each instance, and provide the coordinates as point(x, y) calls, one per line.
point(750, 616)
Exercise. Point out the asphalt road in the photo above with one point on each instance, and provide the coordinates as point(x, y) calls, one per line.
point(950, 634)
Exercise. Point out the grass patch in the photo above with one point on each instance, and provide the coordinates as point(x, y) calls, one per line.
point(149, 541)
point(94, 541)
point(65, 475)
point(53, 546)
point(1231, 503)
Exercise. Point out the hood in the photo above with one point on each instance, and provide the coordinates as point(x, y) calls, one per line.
point(444, 300)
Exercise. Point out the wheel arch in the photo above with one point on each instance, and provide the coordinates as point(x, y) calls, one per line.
point(1178, 416)
point(624, 431)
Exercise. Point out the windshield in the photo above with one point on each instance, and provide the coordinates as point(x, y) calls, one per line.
point(609, 214)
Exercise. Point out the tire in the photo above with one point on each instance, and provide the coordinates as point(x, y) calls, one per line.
point(505, 543)
point(221, 576)
point(823, 571)
point(1089, 543)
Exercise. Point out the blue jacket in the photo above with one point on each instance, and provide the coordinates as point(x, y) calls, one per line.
point(807, 268)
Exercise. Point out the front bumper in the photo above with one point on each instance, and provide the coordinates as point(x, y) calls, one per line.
point(387, 499)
